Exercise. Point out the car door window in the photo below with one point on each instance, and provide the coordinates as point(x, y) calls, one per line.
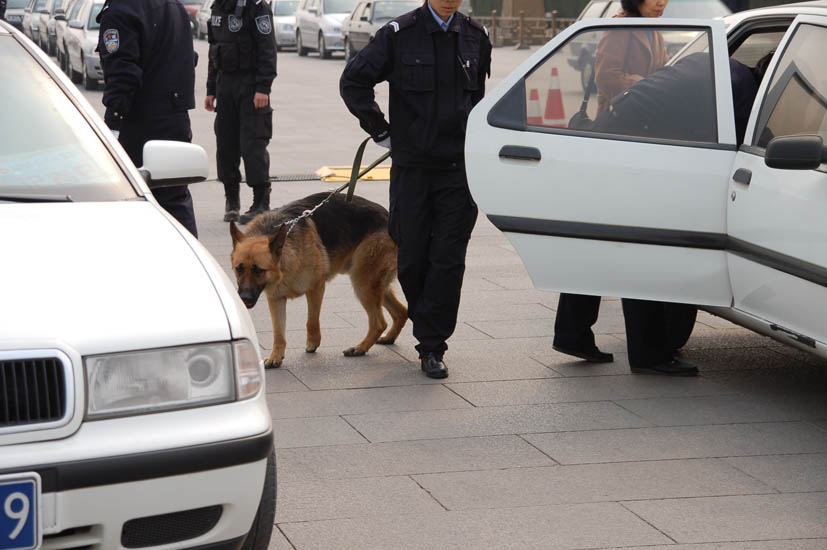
point(625, 90)
point(595, 9)
point(796, 99)
point(366, 12)
point(757, 45)
point(75, 9)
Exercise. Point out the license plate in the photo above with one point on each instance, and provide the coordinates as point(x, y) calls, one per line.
point(15, 18)
point(20, 512)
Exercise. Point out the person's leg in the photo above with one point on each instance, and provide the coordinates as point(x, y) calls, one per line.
point(647, 341)
point(256, 132)
point(576, 314)
point(228, 146)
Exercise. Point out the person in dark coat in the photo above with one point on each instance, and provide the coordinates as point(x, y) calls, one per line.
point(148, 65)
point(436, 61)
point(241, 72)
point(3, 10)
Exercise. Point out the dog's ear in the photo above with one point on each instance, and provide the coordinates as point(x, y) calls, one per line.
point(277, 240)
point(236, 233)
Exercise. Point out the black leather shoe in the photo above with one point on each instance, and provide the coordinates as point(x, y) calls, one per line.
point(592, 355)
point(671, 368)
point(433, 366)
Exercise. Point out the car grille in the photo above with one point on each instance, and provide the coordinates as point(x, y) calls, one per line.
point(169, 528)
point(32, 391)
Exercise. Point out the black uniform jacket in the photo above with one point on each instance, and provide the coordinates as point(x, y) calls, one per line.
point(147, 58)
point(244, 43)
point(432, 89)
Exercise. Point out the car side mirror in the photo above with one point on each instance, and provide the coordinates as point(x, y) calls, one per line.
point(60, 17)
point(173, 163)
point(314, 11)
point(59, 11)
point(805, 152)
point(75, 24)
point(364, 18)
point(44, 12)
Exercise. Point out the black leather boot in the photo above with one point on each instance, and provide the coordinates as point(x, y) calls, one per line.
point(232, 203)
point(261, 203)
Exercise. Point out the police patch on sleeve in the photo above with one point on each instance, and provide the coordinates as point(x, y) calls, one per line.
point(111, 40)
point(263, 24)
point(234, 23)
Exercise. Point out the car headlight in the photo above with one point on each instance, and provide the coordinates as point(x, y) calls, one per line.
point(145, 381)
point(287, 27)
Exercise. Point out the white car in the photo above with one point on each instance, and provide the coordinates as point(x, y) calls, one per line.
point(368, 17)
point(132, 411)
point(319, 26)
point(688, 215)
point(83, 62)
point(284, 21)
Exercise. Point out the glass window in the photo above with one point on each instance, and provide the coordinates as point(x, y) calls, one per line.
point(386, 10)
point(92, 24)
point(75, 9)
point(796, 101)
point(16, 4)
point(757, 45)
point(53, 150)
point(339, 6)
point(626, 86)
point(593, 10)
point(39, 5)
point(365, 12)
point(284, 8)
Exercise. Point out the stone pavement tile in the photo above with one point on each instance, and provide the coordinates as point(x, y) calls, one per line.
point(728, 409)
point(506, 297)
point(521, 419)
point(737, 518)
point(464, 331)
point(772, 382)
point(568, 365)
point(598, 388)
point(282, 380)
point(515, 328)
point(821, 424)
point(510, 281)
point(479, 310)
point(278, 542)
point(705, 337)
point(589, 483)
point(681, 442)
point(787, 473)
point(799, 544)
point(356, 401)
point(567, 527)
point(352, 498)
point(710, 360)
point(313, 432)
point(407, 457)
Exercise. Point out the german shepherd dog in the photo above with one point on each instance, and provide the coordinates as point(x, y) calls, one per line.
point(340, 237)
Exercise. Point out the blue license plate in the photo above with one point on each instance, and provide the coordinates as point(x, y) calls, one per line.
point(19, 512)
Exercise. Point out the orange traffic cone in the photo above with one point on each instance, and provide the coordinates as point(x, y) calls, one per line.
point(534, 113)
point(554, 115)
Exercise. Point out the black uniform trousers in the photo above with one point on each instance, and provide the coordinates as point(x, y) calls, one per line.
point(432, 215)
point(135, 132)
point(241, 131)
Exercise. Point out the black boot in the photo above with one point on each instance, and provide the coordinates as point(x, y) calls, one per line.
point(261, 203)
point(232, 203)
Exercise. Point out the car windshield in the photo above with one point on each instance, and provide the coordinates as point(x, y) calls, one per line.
point(284, 8)
point(16, 4)
point(339, 6)
point(93, 15)
point(696, 9)
point(391, 9)
point(52, 151)
point(39, 5)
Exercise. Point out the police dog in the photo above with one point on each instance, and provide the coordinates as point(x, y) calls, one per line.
point(287, 261)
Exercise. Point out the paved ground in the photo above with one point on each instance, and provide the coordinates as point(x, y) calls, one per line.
point(521, 447)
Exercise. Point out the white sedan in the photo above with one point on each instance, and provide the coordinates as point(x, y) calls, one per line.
point(676, 208)
point(132, 407)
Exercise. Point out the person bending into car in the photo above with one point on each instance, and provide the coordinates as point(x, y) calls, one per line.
point(149, 83)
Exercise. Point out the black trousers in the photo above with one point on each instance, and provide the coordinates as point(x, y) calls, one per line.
point(432, 215)
point(135, 132)
point(241, 132)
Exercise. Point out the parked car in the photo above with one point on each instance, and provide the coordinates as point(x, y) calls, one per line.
point(15, 9)
point(46, 25)
point(83, 64)
point(368, 17)
point(202, 19)
point(689, 218)
point(284, 19)
point(319, 26)
point(131, 382)
point(61, 24)
point(31, 19)
point(192, 7)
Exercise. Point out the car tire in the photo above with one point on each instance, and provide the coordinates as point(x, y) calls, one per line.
point(348, 50)
point(258, 538)
point(680, 320)
point(301, 50)
point(88, 83)
point(324, 53)
point(75, 76)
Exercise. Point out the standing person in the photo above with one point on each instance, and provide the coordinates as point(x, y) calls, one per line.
point(241, 72)
point(149, 83)
point(623, 58)
point(3, 10)
point(436, 61)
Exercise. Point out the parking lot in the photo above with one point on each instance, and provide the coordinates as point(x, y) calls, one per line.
point(520, 447)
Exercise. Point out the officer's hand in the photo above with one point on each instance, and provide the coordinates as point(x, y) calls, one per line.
point(386, 143)
point(209, 103)
point(260, 100)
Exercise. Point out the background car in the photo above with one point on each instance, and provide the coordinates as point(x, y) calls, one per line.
point(133, 413)
point(15, 10)
point(192, 7)
point(202, 19)
point(368, 17)
point(46, 25)
point(31, 19)
point(83, 63)
point(284, 19)
point(70, 12)
point(687, 215)
point(319, 25)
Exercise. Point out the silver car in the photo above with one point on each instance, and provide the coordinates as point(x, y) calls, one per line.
point(319, 26)
point(14, 12)
point(83, 63)
point(284, 19)
point(368, 17)
point(202, 20)
point(46, 25)
point(71, 9)
point(31, 19)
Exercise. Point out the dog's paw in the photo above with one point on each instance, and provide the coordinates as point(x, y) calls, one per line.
point(353, 352)
point(311, 348)
point(386, 341)
point(271, 364)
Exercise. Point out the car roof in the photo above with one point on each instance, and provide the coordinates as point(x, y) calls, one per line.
point(815, 7)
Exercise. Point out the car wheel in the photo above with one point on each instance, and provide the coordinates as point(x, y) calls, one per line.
point(88, 83)
point(348, 50)
point(680, 320)
point(301, 50)
point(324, 53)
point(258, 538)
point(76, 77)
point(61, 62)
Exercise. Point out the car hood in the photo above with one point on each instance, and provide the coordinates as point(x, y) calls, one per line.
point(103, 277)
point(336, 17)
point(285, 20)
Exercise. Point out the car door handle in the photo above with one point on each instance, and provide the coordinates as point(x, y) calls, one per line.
point(742, 175)
point(517, 152)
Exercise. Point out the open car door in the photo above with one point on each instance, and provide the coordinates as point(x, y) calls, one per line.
point(633, 203)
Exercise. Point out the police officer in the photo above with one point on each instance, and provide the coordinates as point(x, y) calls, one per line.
point(436, 61)
point(241, 72)
point(149, 83)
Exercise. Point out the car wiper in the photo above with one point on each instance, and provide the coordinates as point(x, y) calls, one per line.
point(36, 198)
